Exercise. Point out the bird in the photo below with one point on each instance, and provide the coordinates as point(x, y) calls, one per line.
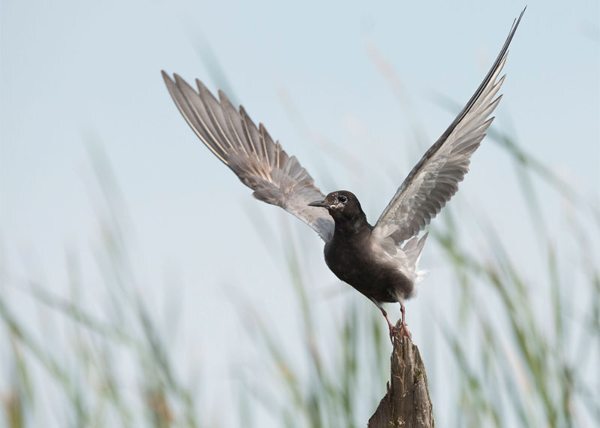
point(380, 261)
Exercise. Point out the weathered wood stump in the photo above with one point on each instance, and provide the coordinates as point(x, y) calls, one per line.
point(407, 403)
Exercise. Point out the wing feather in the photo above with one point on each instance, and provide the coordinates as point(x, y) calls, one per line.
point(250, 152)
point(435, 178)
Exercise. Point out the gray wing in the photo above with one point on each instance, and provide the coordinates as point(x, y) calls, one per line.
point(434, 180)
point(250, 152)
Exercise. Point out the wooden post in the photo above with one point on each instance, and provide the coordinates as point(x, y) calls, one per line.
point(407, 403)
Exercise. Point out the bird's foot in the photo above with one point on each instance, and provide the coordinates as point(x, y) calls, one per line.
point(392, 331)
point(401, 330)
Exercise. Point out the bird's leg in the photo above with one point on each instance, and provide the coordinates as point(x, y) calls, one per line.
point(403, 326)
point(391, 327)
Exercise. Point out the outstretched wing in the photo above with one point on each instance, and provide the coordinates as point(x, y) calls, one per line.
point(434, 180)
point(250, 152)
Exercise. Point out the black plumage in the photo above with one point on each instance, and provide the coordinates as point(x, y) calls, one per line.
point(379, 261)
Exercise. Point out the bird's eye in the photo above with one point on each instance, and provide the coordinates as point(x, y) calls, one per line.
point(343, 199)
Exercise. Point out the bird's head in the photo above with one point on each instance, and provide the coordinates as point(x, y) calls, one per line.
point(340, 204)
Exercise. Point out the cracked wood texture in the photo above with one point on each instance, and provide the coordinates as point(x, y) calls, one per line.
point(407, 403)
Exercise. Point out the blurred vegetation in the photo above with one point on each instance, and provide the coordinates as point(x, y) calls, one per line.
point(525, 346)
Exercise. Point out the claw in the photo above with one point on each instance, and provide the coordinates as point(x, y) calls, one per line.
point(402, 330)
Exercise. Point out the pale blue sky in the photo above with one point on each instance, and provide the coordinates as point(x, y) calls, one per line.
point(72, 71)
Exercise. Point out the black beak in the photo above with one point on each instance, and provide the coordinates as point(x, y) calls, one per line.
point(321, 204)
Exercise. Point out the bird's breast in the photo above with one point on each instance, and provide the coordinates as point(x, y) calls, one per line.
point(365, 266)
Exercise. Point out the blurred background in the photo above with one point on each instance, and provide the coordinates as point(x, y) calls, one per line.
point(141, 284)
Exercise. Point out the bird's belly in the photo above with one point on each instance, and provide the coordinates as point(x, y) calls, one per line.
point(375, 278)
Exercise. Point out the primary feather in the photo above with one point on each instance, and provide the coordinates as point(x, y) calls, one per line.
point(250, 152)
point(434, 180)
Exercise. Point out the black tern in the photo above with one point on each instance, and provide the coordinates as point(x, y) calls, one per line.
point(379, 261)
